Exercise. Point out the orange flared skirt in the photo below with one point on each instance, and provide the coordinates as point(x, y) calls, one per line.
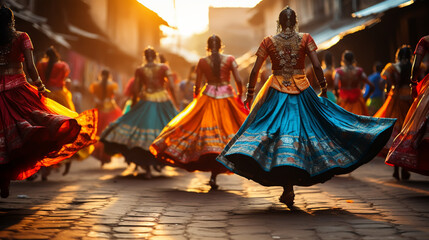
point(193, 139)
point(352, 101)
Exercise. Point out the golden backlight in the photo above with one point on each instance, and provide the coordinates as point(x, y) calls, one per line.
point(190, 16)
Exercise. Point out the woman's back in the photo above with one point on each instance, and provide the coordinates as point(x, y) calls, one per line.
point(227, 62)
point(152, 76)
point(350, 77)
point(287, 52)
point(12, 54)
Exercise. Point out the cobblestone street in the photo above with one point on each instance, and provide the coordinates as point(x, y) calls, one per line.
point(94, 203)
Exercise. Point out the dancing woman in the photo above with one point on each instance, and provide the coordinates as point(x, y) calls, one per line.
point(152, 108)
point(348, 79)
point(53, 73)
point(194, 138)
point(108, 111)
point(399, 99)
point(32, 133)
point(292, 136)
point(410, 148)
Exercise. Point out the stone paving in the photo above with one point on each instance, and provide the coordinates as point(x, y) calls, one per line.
point(92, 203)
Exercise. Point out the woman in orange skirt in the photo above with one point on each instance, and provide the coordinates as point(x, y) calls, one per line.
point(348, 79)
point(410, 148)
point(399, 100)
point(194, 138)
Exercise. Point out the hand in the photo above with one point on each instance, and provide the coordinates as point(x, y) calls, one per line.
point(248, 102)
point(43, 92)
point(323, 94)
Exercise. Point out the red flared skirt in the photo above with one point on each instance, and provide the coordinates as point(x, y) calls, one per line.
point(36, 131)
point(410, 148)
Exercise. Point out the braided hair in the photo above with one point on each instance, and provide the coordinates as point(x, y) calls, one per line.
point(403, 55)
point(213, 45)
point(53, 57)
point(287, 19)
point(7, 25)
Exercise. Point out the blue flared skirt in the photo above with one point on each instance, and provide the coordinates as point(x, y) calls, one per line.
point(133, 133)
point(302, 140)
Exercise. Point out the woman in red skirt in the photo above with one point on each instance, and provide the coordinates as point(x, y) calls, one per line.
point(34, 131)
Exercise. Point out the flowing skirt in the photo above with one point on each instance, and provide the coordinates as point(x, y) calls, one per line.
point(397, 104)
point(302, 140)
point(352, 101)
point(132, 134)
point(36, 131)
point(106, 116)
point(331, 96)
point(194, 138)
point(62, 96)
point(410, 148)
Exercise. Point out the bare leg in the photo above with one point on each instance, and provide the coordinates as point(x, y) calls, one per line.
point(396, 172)
point(67, 169)
point(212, 181)
point(45, 173)
point(405, 175)
point(4, 187)
point(288, 195)
point(148, 174)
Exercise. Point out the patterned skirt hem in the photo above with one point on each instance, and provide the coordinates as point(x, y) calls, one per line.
point(282, 175)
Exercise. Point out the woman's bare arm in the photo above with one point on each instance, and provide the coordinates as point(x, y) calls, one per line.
point(238, 80)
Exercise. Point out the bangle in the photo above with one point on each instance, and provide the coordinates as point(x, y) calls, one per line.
point(38, 82)
point(249, 88)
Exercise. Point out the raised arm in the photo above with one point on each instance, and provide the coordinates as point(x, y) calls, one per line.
point(318, 71)
point(252, 81)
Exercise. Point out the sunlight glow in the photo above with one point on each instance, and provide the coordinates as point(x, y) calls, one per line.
point(190, 16)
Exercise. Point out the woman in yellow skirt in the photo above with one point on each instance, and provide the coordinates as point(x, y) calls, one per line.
point(194, 138)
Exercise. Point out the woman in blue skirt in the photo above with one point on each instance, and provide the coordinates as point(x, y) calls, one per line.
point(152, 108)
point(292, 136)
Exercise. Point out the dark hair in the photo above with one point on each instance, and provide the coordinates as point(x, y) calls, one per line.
point(328, 58)
point(7, 25)
point(104, 80)
point(378, 66)
point(53, 57)
point(403, 54)
point(348, 57)
point(213, 45)
point(287, 19)
point(150, 54)
point(162, 58)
